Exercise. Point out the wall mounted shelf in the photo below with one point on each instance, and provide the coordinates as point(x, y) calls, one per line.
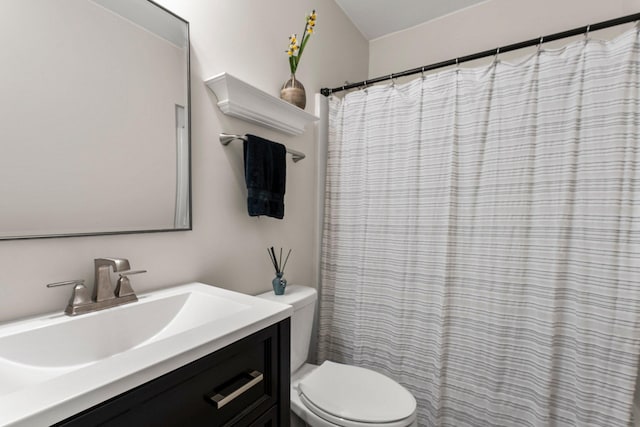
point(239, 99)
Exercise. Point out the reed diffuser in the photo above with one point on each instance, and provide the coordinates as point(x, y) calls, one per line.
point(279, 283)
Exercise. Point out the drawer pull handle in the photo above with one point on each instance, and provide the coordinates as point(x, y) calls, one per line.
point(220, 400)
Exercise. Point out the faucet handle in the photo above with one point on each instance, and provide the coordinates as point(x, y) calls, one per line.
point(131, 272)
point(123, 285)
point(80, 295)
point(65, 283)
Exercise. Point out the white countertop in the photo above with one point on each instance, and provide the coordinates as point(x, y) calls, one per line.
point(67, 390)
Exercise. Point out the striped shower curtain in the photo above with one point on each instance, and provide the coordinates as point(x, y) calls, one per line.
point(481, 240)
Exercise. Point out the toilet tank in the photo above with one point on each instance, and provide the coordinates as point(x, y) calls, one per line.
point(303, 299)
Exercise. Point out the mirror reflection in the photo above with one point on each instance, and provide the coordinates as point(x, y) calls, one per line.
point(95, 115)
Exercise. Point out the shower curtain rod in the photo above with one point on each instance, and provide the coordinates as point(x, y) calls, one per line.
point(533, 42)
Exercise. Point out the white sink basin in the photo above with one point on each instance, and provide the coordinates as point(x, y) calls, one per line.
point(65, 342)
point(54, 366)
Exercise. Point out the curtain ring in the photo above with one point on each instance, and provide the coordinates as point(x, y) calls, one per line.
point(422, 72)
point(540, 43)
point(586, 33)
point(457, 65)
point(495, 59)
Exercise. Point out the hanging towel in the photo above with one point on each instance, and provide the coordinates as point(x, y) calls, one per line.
point(265, 172)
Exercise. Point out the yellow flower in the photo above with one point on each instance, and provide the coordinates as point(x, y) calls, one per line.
point(296, 47)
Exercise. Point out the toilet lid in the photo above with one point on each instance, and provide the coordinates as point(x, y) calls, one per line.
point(357, 394)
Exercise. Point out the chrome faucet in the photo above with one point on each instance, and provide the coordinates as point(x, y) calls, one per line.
point(104, 295)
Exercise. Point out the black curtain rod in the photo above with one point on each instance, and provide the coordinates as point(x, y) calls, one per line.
point(484, 54)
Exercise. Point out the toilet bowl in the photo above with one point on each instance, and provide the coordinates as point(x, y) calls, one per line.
point(335, 394)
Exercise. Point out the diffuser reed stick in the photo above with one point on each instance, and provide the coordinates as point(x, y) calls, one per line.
point(272, 258)
point(285, 260)
point(278, 265)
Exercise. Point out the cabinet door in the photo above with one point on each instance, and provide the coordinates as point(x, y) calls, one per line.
point(268, 419)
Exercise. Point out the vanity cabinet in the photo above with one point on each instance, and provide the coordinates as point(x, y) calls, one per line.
point(244, 384)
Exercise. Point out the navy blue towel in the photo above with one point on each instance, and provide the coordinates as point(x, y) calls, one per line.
point(265, 172)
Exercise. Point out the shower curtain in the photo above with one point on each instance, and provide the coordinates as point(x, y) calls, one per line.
point(481, 240)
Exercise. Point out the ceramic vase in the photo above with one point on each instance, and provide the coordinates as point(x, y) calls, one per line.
point(293, 92)
point(279, 283)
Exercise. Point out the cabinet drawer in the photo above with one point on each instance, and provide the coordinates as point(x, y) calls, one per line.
point(220, 389)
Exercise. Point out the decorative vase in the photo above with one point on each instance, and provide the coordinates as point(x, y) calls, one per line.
point(279, 283)
point(293, 92)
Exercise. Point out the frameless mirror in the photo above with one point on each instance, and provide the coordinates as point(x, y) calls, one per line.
point(95, 118)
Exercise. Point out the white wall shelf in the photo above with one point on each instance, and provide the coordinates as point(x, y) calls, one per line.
point(239, 99)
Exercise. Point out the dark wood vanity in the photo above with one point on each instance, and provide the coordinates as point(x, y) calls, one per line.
point(244, 384)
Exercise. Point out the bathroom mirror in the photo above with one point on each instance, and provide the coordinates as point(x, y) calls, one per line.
point(95, 118)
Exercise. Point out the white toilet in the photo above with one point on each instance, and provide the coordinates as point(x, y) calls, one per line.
point(335, 394)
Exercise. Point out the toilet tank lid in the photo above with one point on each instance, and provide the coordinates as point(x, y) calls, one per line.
point(297, 296)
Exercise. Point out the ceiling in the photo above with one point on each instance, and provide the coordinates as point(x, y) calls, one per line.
point(376, 18)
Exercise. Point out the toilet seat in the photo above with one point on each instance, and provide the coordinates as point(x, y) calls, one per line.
point(342, 422)
point(351, 396)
